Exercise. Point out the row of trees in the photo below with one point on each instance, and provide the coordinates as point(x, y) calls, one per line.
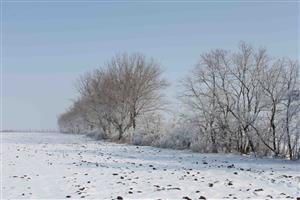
point(246, 101)
point(115, 96)
point(243, 102)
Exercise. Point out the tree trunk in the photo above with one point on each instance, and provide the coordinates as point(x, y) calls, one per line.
point(214, 144)
point(120, 132)
point(249, 139)
point(134, 123)
point(287, 123)
point(289, 138)
point(273, 129)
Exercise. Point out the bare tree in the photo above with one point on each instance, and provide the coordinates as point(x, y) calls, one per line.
point(292, 104)
point(204, 94)
point(136, 85)
point(273, 90)
point(142, 83)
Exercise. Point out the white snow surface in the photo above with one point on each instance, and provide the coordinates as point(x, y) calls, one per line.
point(58, 166)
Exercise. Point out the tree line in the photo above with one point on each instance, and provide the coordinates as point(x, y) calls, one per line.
point(243, 101)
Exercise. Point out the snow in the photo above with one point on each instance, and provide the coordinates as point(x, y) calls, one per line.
point(56, 165)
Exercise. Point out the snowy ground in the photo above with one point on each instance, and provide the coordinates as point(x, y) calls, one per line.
point(53, 165)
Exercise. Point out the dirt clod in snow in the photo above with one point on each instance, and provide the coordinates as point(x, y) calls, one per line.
point(258, 190)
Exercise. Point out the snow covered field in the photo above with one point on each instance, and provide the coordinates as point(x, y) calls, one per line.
point(53, 165)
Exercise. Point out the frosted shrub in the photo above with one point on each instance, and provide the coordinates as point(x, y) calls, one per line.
point(97, 135)
point(200, 143)
point(178, 138)
point(144, 138)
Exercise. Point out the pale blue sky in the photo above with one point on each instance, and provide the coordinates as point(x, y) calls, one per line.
point(46, 46)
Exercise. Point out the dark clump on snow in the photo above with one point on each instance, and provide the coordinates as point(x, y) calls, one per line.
point(258, 190)
point(230, 166)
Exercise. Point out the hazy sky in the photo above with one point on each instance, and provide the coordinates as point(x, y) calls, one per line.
point(46, 46)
